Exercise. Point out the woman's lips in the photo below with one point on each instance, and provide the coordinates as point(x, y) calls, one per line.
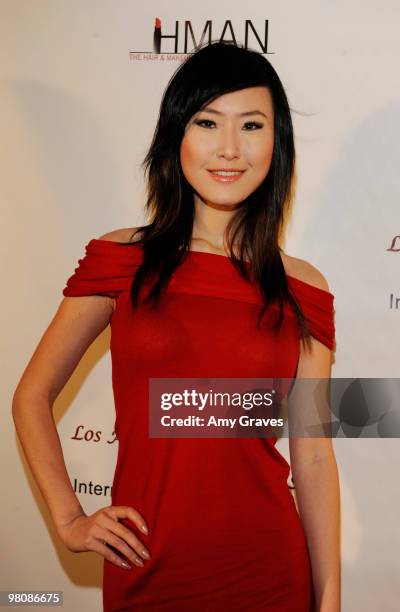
point(225, 178)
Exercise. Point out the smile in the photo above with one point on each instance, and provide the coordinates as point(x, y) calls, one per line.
point(224, 176)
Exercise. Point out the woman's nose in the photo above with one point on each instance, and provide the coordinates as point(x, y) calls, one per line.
point(228, 144)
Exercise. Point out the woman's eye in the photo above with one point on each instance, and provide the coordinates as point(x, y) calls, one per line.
point(201, 121)
point(256, 125)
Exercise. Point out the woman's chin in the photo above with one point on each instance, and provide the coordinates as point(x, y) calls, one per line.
point(221, 203)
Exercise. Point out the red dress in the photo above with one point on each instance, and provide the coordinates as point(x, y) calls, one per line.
point(224, 531)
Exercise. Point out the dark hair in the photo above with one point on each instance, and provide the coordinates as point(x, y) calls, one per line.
point(215, 69)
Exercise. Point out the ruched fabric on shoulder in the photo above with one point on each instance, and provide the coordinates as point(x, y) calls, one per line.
point(318, 308)
point(107, 268)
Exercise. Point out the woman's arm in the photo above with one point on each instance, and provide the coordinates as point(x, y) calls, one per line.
point(318, 498)
point(315, 475)
point(316, 480)
point(77, 322)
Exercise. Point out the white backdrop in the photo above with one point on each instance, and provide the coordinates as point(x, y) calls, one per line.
point(77, 115)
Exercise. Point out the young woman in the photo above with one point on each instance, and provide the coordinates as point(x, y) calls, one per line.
point(203, 290)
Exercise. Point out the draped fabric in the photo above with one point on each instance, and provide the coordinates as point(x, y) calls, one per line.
point(108, 268)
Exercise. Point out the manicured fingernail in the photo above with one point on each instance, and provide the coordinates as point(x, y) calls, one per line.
point(124, 564)
point(144, 528)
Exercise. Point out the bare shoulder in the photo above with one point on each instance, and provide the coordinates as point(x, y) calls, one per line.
point(125, 234)
point(304, 271)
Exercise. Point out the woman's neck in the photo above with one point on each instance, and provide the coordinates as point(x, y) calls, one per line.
point(210, 223)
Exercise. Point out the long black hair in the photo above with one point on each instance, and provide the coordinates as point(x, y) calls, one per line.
point(215, 69)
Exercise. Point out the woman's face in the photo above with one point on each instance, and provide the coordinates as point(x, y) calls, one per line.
point(234, 132)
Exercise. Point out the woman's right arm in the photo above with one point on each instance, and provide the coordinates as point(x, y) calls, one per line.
point(77, 322)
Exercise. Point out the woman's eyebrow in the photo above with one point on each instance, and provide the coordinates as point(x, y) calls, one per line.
point(245, 114)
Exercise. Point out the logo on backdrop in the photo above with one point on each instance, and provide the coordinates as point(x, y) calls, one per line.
point(394, 301)
point(395, 244)
point(85, 487)
point(187, 36)
point(87, 434)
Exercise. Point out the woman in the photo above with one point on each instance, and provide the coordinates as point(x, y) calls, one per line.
point(202, 290)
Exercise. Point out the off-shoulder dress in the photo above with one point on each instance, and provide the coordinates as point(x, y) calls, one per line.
point(224, 531)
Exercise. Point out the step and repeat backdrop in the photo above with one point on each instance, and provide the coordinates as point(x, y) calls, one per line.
point(81, 85)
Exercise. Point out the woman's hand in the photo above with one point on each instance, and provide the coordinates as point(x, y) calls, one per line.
point(102, 533)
